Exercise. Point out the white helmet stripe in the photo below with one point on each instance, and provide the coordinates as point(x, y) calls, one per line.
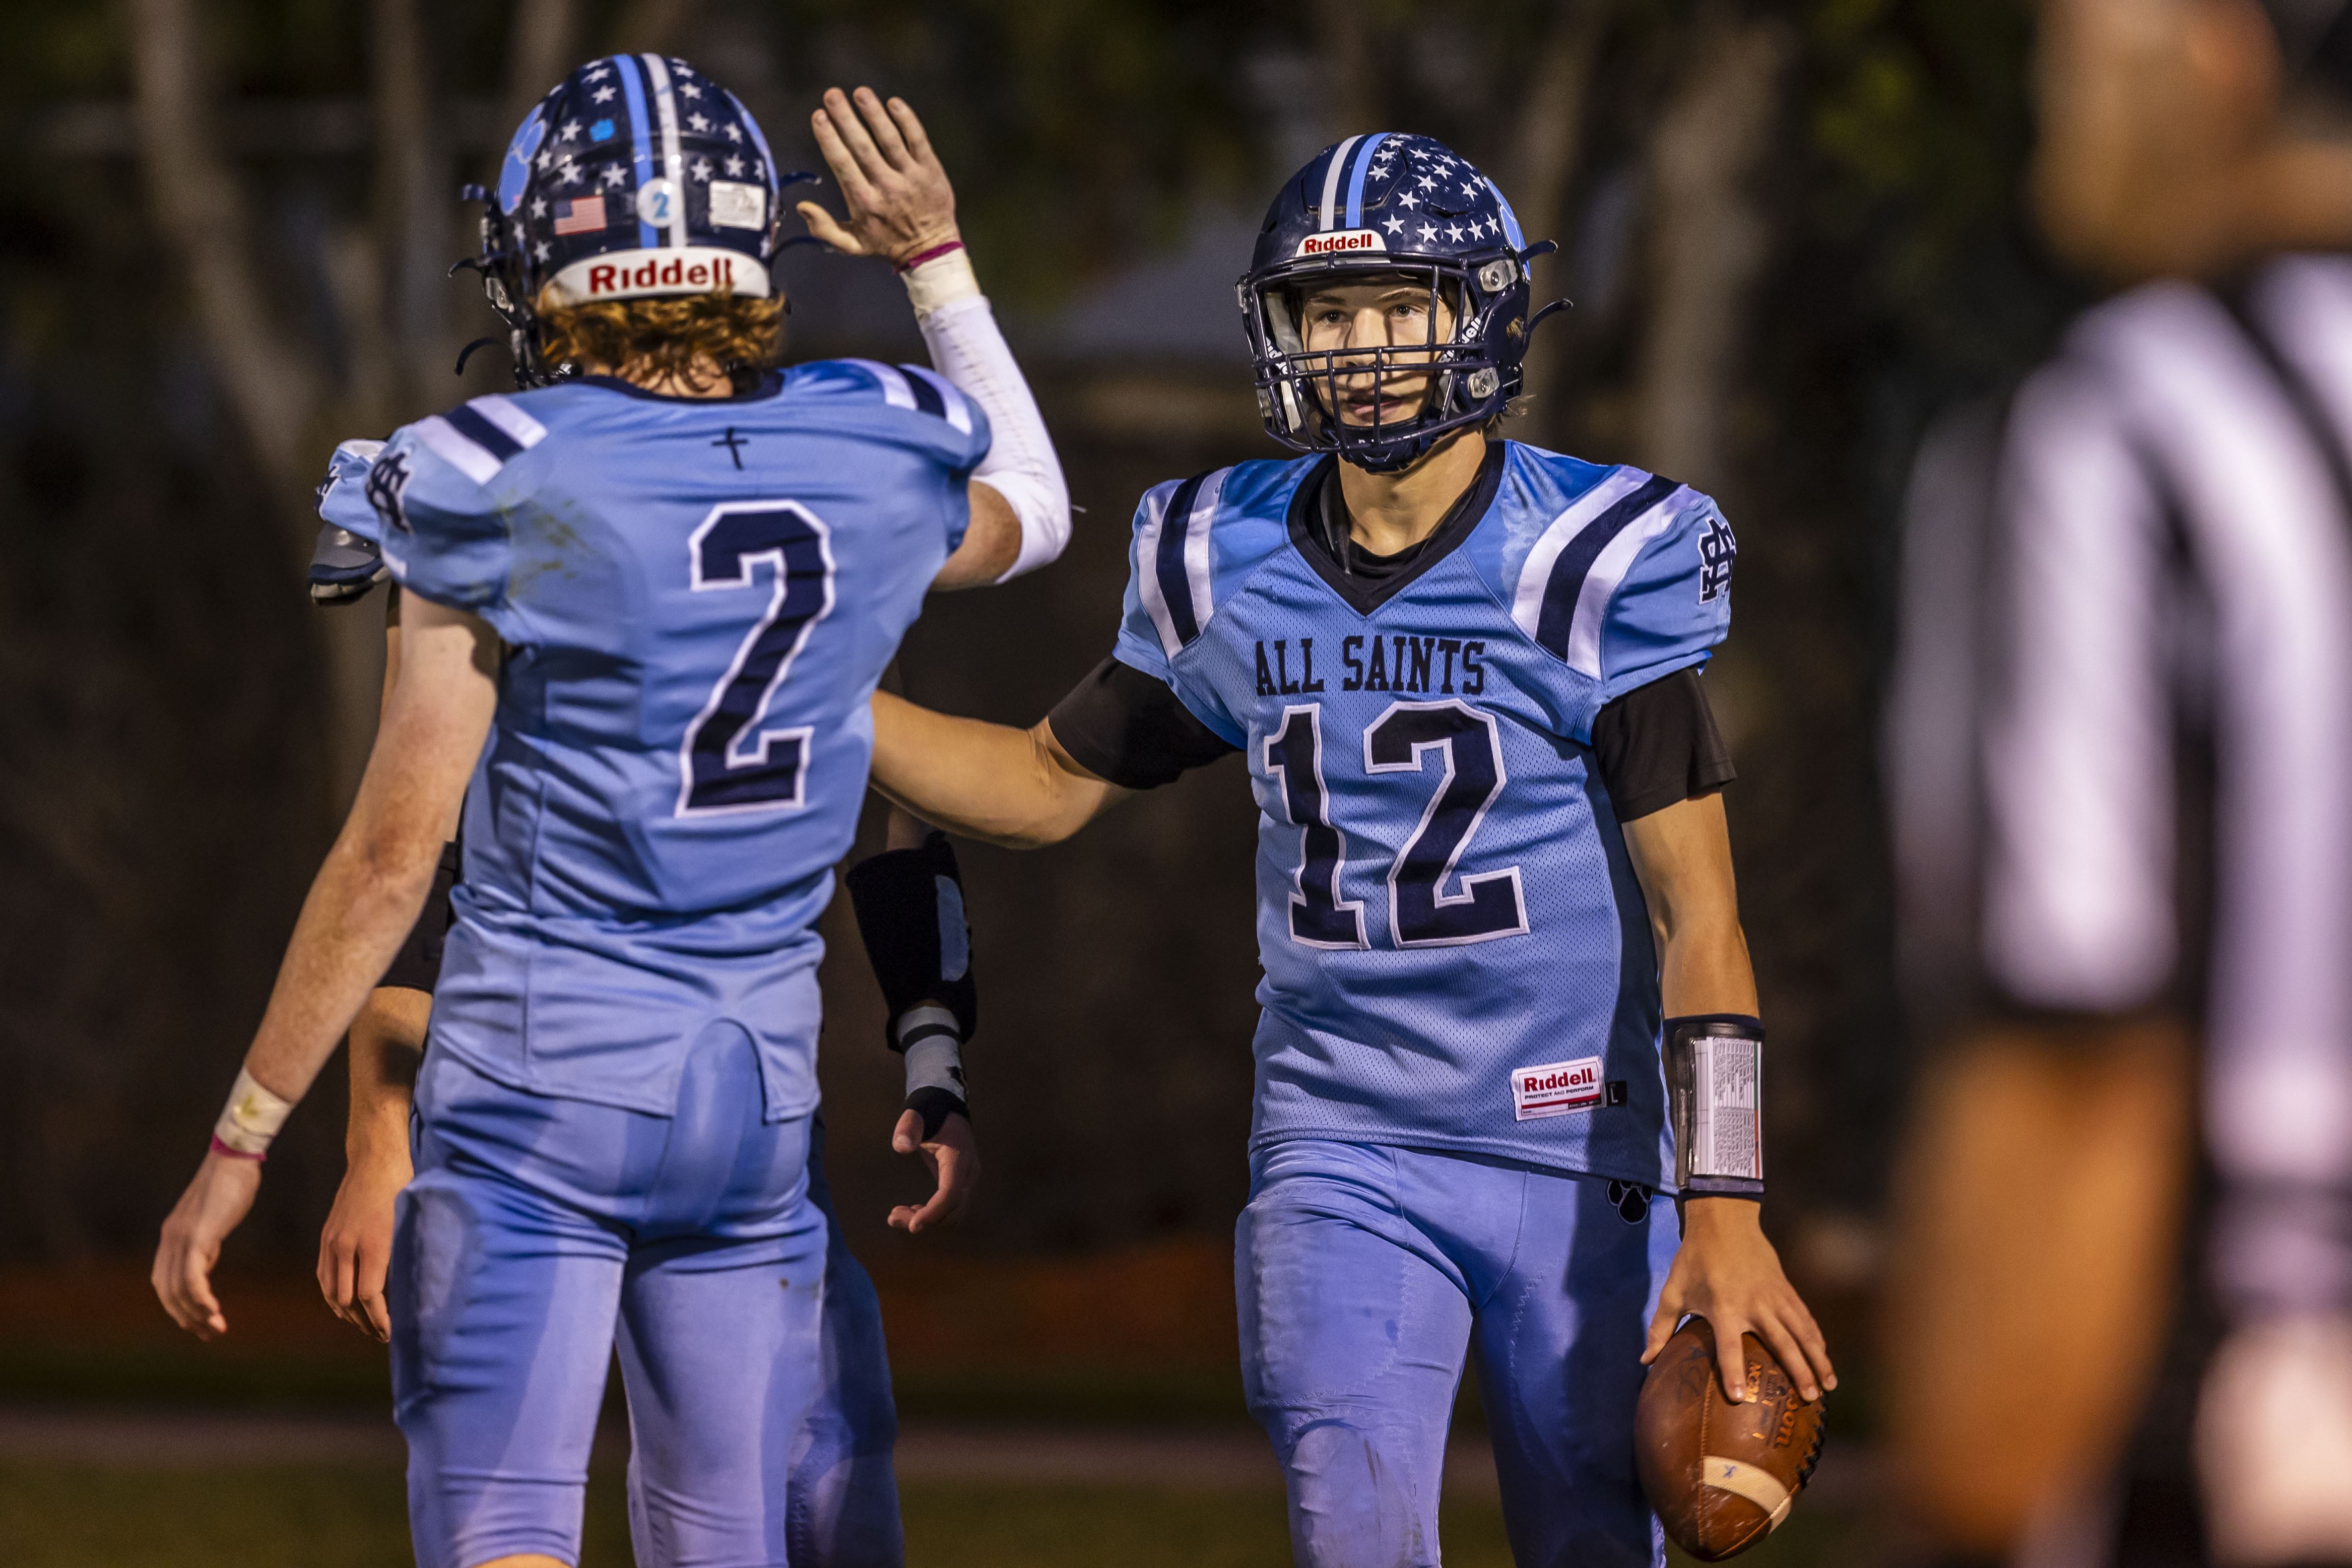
point(673, 160)
point(1332, 178)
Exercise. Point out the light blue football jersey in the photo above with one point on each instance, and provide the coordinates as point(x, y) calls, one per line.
point(697, 599)
point(1456, 952)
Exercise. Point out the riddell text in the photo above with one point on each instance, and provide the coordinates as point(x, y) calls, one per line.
point(1347, 239)
point(719, 274)
point(1395, 663)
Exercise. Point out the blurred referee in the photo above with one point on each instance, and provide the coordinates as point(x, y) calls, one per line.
point(2120, 749)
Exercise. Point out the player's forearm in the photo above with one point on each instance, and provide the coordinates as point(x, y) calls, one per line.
point(387, 1046)
point(989, 782)
point(1682, 856)
point(365, 899)
point(1703, 967)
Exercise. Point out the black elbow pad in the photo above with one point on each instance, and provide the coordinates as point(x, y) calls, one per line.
point(910, 907)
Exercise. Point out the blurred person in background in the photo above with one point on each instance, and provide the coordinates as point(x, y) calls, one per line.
point(661, 591)
point(2120, 751)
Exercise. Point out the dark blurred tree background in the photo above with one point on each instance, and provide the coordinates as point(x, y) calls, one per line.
point(1792, 231)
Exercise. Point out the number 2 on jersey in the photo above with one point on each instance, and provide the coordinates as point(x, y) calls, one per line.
point(730, 760)
point(1422, 913)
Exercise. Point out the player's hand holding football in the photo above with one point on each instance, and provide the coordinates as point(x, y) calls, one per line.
point(214, 1205)
point(1728, 1274)
point(355, 1248)
point(900, 204)
point(953, 1156)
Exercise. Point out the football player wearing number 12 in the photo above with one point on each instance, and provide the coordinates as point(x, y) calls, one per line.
point(643, 610)
point(1463, 674)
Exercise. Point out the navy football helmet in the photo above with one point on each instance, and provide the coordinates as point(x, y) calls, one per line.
point(1375, 206)
point(638, 176)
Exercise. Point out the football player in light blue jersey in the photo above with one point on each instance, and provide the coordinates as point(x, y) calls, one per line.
point(1509, 1023)
point(646, 608)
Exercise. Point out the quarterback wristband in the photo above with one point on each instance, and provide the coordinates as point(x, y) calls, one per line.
point(1715, 1080)
point(251, 1118)
point(928, 1040)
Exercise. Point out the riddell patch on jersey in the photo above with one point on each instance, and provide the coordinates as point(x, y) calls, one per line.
point(1340, 242)
point(1556, 1088)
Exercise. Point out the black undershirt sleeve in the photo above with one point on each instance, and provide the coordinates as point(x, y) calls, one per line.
point(1657, 746)
point(1123, 725)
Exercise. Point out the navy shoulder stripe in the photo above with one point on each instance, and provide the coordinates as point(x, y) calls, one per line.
point(1172, 558)
point(1175, 587)
point(1565, 583)
point(482, 433)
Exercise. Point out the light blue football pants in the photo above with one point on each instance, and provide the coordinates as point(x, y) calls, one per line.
point(1364, 1274)
point(541, 1235)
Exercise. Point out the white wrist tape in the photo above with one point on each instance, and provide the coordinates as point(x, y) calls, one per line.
point(941, 281)
point(933, 1050)
point(969, 350)
point(252, 1116)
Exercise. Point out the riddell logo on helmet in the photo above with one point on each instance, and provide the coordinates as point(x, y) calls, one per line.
point(717, 273)
point(1555, 1089)
point(1340, 242)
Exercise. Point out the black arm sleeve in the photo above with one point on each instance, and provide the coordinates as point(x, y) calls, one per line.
point(1657, 745)
point(1123, 725)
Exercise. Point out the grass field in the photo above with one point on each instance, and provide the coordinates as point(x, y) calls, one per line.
point(56, 1516)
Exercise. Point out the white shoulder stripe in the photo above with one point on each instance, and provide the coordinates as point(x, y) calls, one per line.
point(1196, 544)
point(894, 390)
point(1535, 576)
point(1608, 569)
point(507, 415)
point(461, 452)
point(1147, 569)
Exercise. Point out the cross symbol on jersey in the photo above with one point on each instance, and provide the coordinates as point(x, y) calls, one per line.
point(734, 444)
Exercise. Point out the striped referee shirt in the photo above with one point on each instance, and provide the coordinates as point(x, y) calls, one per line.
point(2120, 745)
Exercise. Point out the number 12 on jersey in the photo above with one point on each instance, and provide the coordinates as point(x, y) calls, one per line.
point(1422, 913)
point(729, 760)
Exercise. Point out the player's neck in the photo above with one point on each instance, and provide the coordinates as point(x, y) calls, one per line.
point(706, 380)
point(1389, 512)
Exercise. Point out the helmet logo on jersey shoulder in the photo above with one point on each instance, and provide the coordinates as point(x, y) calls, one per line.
point(387, 489)
point(1342, 242)
point(1717, 551)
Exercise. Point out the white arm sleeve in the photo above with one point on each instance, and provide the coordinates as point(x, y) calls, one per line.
point(966, 347)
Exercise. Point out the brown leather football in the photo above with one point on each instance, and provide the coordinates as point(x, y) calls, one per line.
point(1721, 1475)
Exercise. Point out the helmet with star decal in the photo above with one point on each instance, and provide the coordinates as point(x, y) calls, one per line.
point(1389, 205)
point(637, 177)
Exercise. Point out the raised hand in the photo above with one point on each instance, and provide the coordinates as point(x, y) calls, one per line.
point(1727, 1273)
point(900, 204)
